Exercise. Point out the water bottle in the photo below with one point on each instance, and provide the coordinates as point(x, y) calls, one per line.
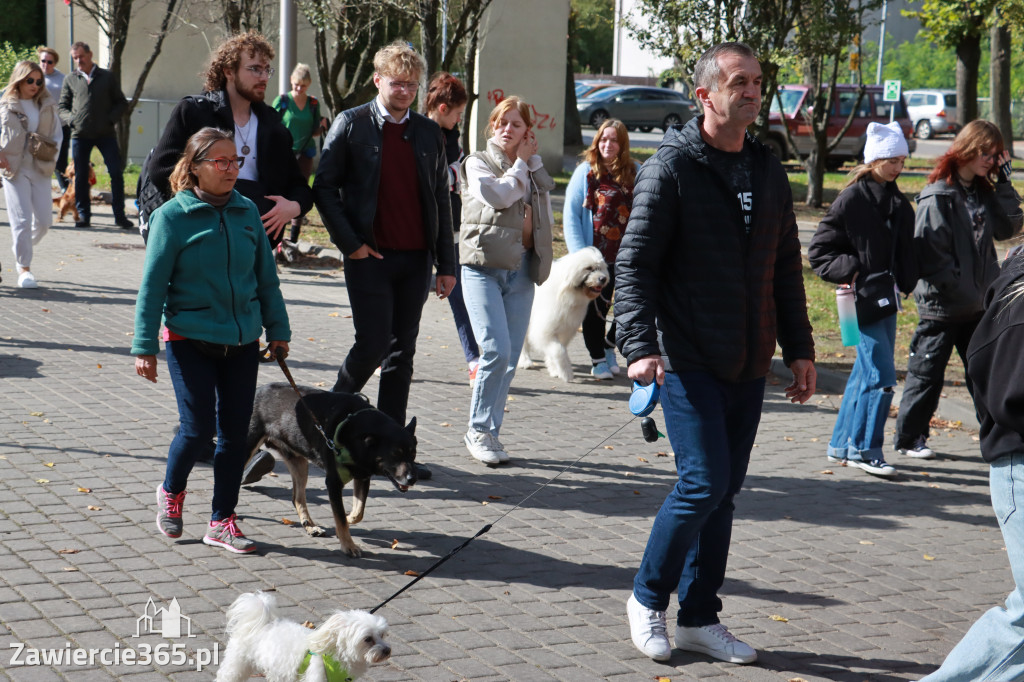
point(848, 328)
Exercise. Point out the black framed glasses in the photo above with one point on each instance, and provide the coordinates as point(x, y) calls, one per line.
point(223, 163)
point(47, 61)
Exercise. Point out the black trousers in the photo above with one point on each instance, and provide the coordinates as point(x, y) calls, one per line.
point(62, 158)
point(930, 350)
point(386, 296)
point(594, 336)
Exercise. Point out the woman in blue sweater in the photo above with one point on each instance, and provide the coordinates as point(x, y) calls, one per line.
point(598, 201)
point(210, 275)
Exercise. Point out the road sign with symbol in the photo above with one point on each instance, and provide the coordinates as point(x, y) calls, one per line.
point(892, 91)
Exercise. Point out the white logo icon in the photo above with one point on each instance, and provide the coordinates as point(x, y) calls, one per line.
point(166, 622)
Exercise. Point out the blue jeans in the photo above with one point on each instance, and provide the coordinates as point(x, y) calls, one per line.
point(993, 649)
point(711, 425)
point(81, 150)
point(215, 396)
point(498, 302)
point(461, 316)
point(859, 432)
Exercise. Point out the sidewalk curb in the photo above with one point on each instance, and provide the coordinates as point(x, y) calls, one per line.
point(833, 382)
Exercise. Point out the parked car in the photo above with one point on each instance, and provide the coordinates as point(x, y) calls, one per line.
point(637, 107)
point(794, 109)
point(584, 87)
point(932, 112)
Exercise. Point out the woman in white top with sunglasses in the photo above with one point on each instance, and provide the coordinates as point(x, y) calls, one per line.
point(28, 123)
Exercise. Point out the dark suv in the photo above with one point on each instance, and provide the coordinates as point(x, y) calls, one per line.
point(851, 147)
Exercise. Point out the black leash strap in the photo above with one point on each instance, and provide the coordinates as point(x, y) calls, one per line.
point(486, 528)
point(279, 356)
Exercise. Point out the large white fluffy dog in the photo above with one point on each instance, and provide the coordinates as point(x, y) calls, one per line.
point(559, 306)
point(262, 642)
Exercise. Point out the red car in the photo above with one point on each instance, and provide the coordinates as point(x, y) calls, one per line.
point(795, 104)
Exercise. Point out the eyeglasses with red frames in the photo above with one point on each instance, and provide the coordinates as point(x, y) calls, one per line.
point(223, 163)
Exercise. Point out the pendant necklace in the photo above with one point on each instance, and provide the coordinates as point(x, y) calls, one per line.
point(244, 136)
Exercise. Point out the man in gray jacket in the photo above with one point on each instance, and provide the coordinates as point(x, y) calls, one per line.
point(91, 102)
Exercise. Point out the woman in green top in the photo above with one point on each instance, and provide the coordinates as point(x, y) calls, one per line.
point(300, 112)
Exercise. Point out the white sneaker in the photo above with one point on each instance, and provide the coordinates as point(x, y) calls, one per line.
point(27, 280)
point(499, 448)
point(480, 446)
point(715, 641)
point(648, 629)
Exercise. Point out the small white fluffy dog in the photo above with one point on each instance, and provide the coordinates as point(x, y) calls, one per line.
point(559, 306)
point(260, 641)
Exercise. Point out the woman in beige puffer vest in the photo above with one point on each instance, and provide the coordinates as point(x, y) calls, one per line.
point(26, 108)
point(505, 248)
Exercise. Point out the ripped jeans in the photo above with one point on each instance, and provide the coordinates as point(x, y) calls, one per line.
point(859, 432)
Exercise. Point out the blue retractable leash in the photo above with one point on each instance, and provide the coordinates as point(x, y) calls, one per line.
point(642, 402)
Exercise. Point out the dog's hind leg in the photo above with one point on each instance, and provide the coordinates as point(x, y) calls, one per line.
point(360, 489)
point(298, 467)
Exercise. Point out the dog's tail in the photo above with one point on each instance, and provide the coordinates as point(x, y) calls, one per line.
point(250, 613)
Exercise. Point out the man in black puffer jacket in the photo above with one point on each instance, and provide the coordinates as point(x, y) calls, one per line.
point(708, 278)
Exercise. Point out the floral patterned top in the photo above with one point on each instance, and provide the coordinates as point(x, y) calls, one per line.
point(610, 203)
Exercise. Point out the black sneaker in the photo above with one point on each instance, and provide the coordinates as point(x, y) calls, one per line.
point(125, 224)
point(82, 223)
point(260, 464)
point(878, 467)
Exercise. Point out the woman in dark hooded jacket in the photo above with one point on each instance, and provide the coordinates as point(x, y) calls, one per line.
point(869, 229)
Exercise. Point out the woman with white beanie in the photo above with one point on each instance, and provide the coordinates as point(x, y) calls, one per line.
point(969, 201)
point(867, 236)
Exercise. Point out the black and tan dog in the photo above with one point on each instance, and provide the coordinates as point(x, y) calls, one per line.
point(366, 442)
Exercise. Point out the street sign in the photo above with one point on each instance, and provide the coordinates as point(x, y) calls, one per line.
point(892, 91)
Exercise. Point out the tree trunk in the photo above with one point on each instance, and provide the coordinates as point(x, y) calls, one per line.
point(999, 77)
point(815, 165)
point(968, 57)
point(572, 131)
point(429, 11)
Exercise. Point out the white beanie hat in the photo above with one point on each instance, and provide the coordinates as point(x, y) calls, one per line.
point(884, 142)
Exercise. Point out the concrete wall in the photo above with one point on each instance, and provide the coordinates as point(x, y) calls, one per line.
point(523, 51)
point(629, 59)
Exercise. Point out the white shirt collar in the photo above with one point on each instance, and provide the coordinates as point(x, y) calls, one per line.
point(382, 110)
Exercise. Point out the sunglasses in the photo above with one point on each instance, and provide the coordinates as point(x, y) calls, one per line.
point(47, 61)
point(224, 163)
point(34, 81)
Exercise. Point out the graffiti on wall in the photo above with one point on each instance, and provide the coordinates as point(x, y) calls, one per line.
point(541, 120)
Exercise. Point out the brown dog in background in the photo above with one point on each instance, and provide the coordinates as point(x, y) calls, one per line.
point(65, 203)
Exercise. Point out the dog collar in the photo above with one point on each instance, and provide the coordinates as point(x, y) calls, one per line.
point(343, 461)
point(336, 672)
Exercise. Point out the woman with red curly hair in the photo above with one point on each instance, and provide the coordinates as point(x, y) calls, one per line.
point(969, 201)
point(597, 206)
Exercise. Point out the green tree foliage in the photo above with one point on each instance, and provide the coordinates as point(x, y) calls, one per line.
point(921, 63)
point(593, 37)
point(24, 22)
point(9, 56)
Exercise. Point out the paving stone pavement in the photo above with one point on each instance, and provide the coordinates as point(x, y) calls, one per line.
point(834, 574)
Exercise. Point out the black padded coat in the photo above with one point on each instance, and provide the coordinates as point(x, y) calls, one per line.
point(688, 273)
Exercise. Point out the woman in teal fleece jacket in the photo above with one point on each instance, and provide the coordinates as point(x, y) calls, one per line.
point(210, 275)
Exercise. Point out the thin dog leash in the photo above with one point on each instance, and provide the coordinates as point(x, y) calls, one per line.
point(486, 528)
point(284, 368)
point(279, 356)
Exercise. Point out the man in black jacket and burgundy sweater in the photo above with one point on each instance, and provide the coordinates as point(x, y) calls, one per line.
point(382, 193)
point(708, 277)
